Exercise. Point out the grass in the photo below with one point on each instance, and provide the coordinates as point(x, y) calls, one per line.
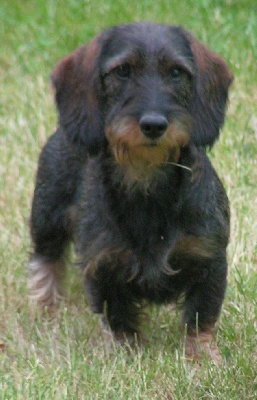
point(68, 357)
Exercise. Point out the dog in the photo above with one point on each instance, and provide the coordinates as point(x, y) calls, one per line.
point(126, 178)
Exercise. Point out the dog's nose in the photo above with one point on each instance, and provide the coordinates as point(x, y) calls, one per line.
point(153, 126)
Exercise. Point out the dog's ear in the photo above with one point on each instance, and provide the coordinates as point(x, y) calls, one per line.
point(77, 86)
point(212, 82)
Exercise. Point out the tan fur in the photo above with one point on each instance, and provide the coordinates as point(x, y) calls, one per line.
point(195, 246)
point(197, 345)
point(137, 154)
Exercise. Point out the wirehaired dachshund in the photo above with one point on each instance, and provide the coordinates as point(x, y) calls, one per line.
point(127, 179)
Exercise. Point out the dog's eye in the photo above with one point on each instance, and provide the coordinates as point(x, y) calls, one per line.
point(123, 71)
point(177, 73)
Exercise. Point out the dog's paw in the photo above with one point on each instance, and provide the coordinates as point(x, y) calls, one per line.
point(198, 347)
point(130, 339)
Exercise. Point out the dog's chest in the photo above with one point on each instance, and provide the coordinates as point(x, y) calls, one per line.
point(166, 275)
point(147, 221)
point(168, 260)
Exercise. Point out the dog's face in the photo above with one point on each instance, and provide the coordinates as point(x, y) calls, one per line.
point(145, 89)
point(148, 86)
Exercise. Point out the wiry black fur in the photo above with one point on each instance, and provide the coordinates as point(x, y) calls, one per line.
point(137, 242)
point(150, 225)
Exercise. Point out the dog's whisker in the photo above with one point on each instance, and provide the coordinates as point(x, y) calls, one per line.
point(178, 165)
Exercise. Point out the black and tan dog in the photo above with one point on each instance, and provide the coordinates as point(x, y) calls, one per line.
point(126, 176)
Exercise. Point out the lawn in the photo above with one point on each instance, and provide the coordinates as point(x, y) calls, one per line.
point(68, 357)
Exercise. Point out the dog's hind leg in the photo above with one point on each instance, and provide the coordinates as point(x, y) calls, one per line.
point(51, 221)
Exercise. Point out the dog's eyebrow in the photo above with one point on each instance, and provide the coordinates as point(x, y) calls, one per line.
point(134, 56)
point(128, 56)
point(178, 60)
point(184, 64)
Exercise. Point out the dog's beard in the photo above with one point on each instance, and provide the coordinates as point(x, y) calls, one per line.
point(139, 157)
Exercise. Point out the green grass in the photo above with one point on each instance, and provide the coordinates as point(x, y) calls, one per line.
point(68, 357)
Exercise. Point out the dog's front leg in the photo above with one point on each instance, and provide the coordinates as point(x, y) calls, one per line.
point(109, 291)
point(202, 308)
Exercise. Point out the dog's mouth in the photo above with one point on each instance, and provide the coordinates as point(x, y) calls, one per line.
point(152, 144)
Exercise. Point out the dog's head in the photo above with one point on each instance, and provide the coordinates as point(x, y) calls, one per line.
point(145, 89)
